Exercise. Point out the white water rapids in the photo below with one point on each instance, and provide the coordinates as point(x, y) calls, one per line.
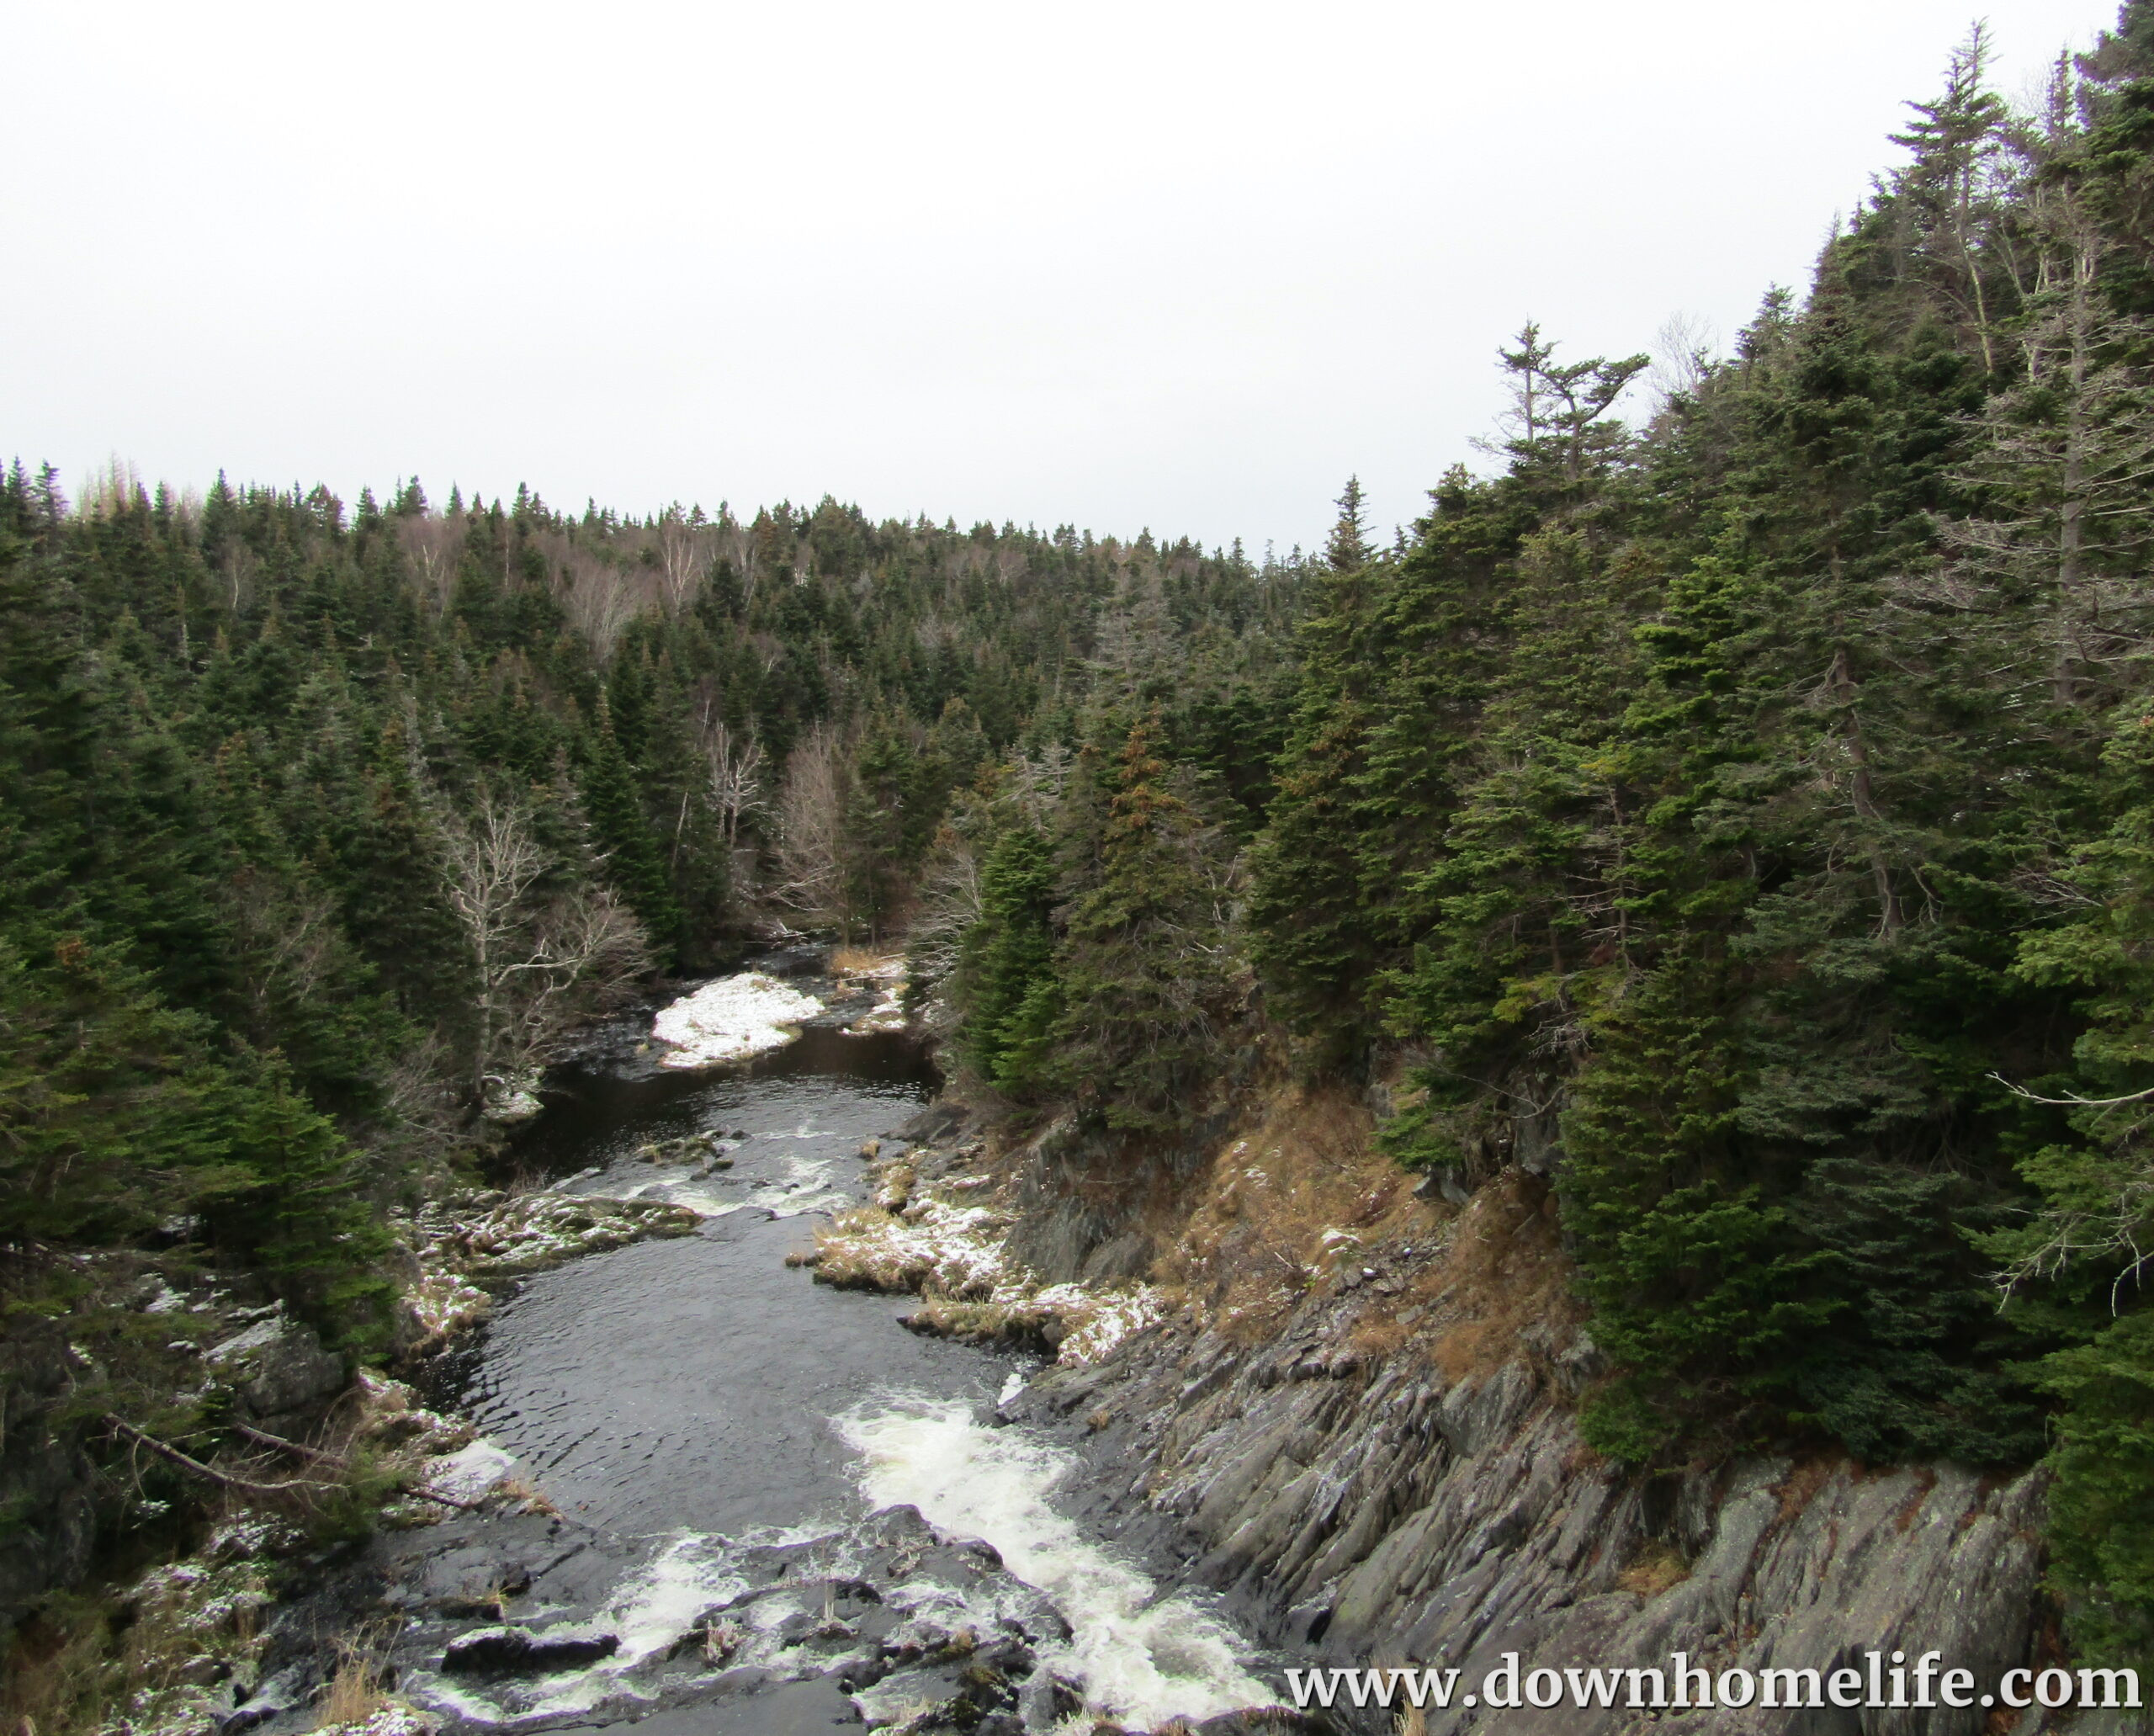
point(693, 1406)
point(1142, 1658)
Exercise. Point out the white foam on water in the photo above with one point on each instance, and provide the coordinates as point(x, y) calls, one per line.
point(1142, 1658)
point(729, 1020)
point(648, 1612)
point(653, 1611)
point(802, 1184)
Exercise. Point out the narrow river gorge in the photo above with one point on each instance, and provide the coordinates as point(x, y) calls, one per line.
point(772, 1509)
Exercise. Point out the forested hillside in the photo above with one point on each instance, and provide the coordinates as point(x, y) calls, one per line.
point(1751, 806)
point(323, 828)
point(1738, 796)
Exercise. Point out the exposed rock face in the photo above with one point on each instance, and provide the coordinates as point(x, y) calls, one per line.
point(47, 1515)
point(277, 1366)
point(1393, 1517)
point(1363, 1430)
point(518, 1650)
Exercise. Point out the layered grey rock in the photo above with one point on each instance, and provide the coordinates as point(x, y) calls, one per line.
point(1384, 1514)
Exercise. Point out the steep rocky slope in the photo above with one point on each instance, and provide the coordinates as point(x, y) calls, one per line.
point(1356, 1419)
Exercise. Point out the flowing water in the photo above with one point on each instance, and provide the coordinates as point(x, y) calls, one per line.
point(738, 1455)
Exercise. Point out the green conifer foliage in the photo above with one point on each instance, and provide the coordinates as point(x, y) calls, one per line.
point(1144, 970)
point(621, 830)
point(1005, 980)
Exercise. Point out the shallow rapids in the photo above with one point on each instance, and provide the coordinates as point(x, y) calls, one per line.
point(1143, 1658)
point(764, 1485)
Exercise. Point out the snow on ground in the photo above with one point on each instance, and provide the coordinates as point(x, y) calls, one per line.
point(953, 1250)
point(731, 1019)
point(469, 1472)
point(951, 1256)
point(887, 1014)
point(1098, 1320)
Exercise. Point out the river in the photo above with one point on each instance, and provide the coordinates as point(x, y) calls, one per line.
point(763, 1486)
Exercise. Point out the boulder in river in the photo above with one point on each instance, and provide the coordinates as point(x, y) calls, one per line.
point(517, 1651)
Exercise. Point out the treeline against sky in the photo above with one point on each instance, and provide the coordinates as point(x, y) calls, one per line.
point(1745, 810)
point(319, 828)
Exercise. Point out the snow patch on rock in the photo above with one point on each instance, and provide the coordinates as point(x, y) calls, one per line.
point(952, 1256)
point(470, 1471)
point(731, 1019)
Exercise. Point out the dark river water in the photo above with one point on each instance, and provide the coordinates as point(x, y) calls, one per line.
point(718, 1433)
point(692, 1383)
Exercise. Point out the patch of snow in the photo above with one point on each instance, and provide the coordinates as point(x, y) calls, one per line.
point(469, 1472)
point(731, 1019)
point(942, 1250)
point(258, 1337)
point(445, 1302)
point(1099, 1320)
point(168, 1300)
point(394, 1718)
point(887, 1014)
point(511, 1106)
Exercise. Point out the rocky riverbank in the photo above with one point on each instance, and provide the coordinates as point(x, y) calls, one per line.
point(1348, 1407)
point(314, 1453)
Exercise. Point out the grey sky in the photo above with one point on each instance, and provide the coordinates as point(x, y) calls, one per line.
point(1173, 265)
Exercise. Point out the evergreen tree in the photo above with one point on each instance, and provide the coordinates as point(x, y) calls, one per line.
point(1144, 968)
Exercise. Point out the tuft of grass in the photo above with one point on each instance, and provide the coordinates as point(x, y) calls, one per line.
point(514, 1489)
point(1657, 1567)
point(355, 1692)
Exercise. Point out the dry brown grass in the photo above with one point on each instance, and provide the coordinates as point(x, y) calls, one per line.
point(1801, 1486)
point(514, 1489)
point(1272, 1222)
point(1018, 1325)
point(1504, 1270)
point(354, 1691)
point(856, 961)
point(1657, 1567)
point(866, 1248)
point(1254, 1244)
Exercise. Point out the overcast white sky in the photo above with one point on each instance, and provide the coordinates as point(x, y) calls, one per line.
point(1164, 264)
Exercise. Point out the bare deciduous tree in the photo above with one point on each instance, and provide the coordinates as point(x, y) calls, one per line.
point(736, 777)
point(1686, 349)
point(432, 545)
point(2065, 460)
point(600, 599)
point(685, 552)
point(949, 906)
point(811, 830)
point(540, 963)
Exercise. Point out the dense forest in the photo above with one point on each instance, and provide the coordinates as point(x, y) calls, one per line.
point(1747, 794)
point(320, 830)
point(1755, 804)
